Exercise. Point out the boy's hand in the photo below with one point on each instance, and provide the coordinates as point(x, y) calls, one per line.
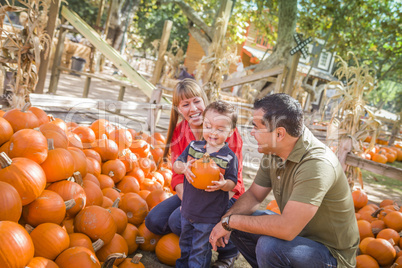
point(187, 171)
point(218, 185)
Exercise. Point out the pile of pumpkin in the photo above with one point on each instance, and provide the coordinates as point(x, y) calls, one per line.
point(381, 152)
point(380, 229)
point(72, 195)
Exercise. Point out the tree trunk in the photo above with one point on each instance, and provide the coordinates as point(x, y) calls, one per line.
point(286, 29)
point(122, 14)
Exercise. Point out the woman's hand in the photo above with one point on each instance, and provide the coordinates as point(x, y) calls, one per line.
point(218, 185)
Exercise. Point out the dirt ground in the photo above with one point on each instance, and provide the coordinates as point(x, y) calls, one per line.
point(72, 86)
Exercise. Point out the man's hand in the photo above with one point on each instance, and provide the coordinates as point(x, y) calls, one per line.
point(219, 237)
point(218, 185)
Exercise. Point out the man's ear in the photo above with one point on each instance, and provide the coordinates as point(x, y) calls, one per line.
point(280, 133)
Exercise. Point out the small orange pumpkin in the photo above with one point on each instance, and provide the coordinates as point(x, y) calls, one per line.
point(205, 171)
point(167, 249)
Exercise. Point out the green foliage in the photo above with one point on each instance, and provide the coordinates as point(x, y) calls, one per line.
point(149, 21)
point(86, 9)
point(387, 96)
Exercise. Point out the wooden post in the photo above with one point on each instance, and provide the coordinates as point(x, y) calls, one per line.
point(154, 114)
point(53, 15)
point(54, 78)
point(86, 87)
point(121, 96)
point(290, 78)
point(162, 50)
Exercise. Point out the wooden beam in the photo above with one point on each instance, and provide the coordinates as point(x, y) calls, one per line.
point(162, 50)
point(114, 56)
point(253, 77)
point(380, 169)
point(53, 15)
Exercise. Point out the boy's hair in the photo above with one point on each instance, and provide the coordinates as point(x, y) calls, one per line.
point(225, 108)
point(281, 110)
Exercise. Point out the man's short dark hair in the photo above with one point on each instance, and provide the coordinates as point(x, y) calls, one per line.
point(281, 110)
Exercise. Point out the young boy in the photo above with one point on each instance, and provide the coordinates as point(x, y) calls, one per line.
point(202, 209)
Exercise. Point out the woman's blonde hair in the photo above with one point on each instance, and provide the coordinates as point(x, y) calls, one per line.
point(185, 89)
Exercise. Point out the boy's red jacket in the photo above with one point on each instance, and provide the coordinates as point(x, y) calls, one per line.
point(182, 136)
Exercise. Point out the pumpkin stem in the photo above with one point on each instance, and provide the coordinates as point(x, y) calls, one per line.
point(117, 189)
point(51, 117)
point(5, 161)
point(98, 244)
point(391, 241)
point(50, 144)
point(116, 203)
point(375, 213)
point(69, 204)
point(29, 228)
point(140, 240)
point(111, 174)
point(136, 259)
point(376, 231)
point(205, 158)
point(111, 258)
point(26, 107)
point(78, 178)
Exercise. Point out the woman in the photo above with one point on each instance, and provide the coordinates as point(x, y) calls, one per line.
point(189, 102)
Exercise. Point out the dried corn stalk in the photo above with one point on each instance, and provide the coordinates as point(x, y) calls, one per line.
point(174, 58)
point(20, 49)
point(220, 57)
point(352, 120)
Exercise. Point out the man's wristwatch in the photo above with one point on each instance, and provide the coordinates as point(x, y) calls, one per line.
point(225, 223)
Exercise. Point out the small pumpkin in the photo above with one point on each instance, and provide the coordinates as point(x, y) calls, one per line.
point(381, 250)
point(156, 197)
point(40, 114)
point(80, 160)
point(140, 147)
point(360, 198)
point(77, 257)
point(93, 193)
point(366, 261)
point(49, 240)
point(119, 216)
point(25, 175)
point(17, 248)
point(167, 249)
point(205, 171)
point(150, 239)
point(101, 127)
point(130, 234)
point(117, 245)
point(96, 222)
point(6, 131)
point(30, 144)
point(86, 134)
point(122, 137)
point(132, 262)
point(128, 184)
point(80, 240)
point(364, 229)
point(107, 148)
point(48, 207)
point(394, 220)
point(114, 169)
point(93, 166)
point(22, 118)
point(40, 262)
point(135, 207)
point(11, 206)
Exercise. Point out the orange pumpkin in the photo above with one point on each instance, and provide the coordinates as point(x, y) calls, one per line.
point(155, 197)
point(388, 234)
point(11, 207)
point(93, 167)
point(167, 249)
point(205, 171)
point(140, 147)
point(364, 229)
point(377, 226)
point(49, 240)
point(130, 235)
point(91, 177)
point(6, 131)
point(138, 174)
point(107, 149)
point(59, 164)
point(80, 240)
point(394, 220)
point(129, 159)
point(128, 184)
point(80, 160)
point(150, 185)
point(105, 181)
point(363, 244)
point(17, 248)
point(366, 261)
point(30, 144)
point(70, 190)
point(114, 169)
point(94, 154)
point(52, 131)
point(360, 198)
point(26, 176)
point(107, 202)
point(132, 262)
point(40, 114)
point(101, 127)
point(117, 245)
point(74, 141)
point(77, 257)
point(122, 137)
point(120, 218)
point(48, 207)
point(59, 122)
point(379, 158)
point(40, 262)
point(21, 119)
point(381, 250)
point(86, 134)
point(111, 193)
point(96, 222)
point(150, 239)
point(93, 193)
point(135, 207)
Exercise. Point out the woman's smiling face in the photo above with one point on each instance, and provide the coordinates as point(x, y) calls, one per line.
point(191, 109)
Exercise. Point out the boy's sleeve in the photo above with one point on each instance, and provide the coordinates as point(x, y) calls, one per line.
point(184, 154)
point(231, 170)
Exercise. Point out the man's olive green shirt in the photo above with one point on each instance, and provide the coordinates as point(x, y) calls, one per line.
point(313, 175)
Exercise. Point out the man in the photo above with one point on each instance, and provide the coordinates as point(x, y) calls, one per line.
point(317, 226)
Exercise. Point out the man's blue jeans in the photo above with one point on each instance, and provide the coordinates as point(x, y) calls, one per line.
point(194, 244)
point(267, 251)
point(166, 218)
